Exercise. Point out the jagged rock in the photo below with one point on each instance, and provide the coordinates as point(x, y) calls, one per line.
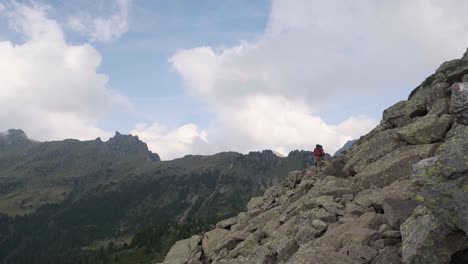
point(457, 74)
point(371, 150)
point(275, 191)
point(329, 205)
point(401, 113)
point(394, 166)
point(459, 102)
point(427, 129)
point(370, 220)
point(363, 254)
point(442, 182)
point(229, 242)
point(385, 242)
point(359, 236)
point(352, 208)
point(305, 234)
point(319, 213)
point(305, 185)
point(211, 241)
point(183, 250)
point(426, 239)
point(336, 167)
point(319, 225)
point(294, 178)
point(375, 196)
point(398, 210)
point(285, 248)
point(255, 203)
point(319, 255)
point(336, 186)
point(226, 224)
point(246, 247)
point(265, 255)
point(242, 217)
point(288, 229)
point(440, 107)
point(449, 65)
point(388, 255)
point(347, 235)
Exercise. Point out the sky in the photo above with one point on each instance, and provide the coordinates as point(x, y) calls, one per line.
point(201, 77)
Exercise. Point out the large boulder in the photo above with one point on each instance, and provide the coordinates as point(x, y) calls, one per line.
point(398, 210)
point(183, 250)
point(401, 113)
point(394, 166)
point(255, 203)
point(375, 196)
point(336, 167)
point(388, 255)
point(358, 232)
point(212, 240)
point(319, 255)
point(363, 254)
point(426, 239)
point(335, 186)
point(442, 181)
point(372, 149)
point(427, 129)
point(459, 102)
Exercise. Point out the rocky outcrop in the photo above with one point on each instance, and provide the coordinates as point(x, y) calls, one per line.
point(426, 130)
point(399, 195)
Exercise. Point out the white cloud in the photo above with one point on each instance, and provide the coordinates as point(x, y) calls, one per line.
point(48, 87)
point(103, 29)
point(266, 92)
point(274, 122)
point(170, 144)
point(2, 7)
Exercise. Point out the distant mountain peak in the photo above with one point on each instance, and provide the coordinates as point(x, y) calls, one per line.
point(14, 137)
point(129, 143)
point(14, 133)
point(345, 147)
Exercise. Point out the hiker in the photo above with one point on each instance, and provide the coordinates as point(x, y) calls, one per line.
point(319, 153)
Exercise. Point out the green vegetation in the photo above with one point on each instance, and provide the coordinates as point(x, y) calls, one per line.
point(61, 199)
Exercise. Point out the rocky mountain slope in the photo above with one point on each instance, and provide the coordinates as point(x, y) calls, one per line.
point(61, 201)
point(399, 195)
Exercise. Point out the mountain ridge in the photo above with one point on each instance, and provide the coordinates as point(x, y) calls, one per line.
point(60, 198)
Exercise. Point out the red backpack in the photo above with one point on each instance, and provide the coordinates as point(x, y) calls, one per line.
point(318, 152)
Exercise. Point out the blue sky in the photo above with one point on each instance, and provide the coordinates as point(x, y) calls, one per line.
point(199, 77)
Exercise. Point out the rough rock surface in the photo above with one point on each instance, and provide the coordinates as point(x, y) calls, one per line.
point(399, 195)
point(427, 129)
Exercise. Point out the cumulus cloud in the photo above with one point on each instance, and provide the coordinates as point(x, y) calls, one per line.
point(172, 144)
point(48, 87)
point(102, 29)
point(274, 122)
point(266, 92)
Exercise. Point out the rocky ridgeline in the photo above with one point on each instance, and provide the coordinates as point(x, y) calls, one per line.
point(399, 195)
